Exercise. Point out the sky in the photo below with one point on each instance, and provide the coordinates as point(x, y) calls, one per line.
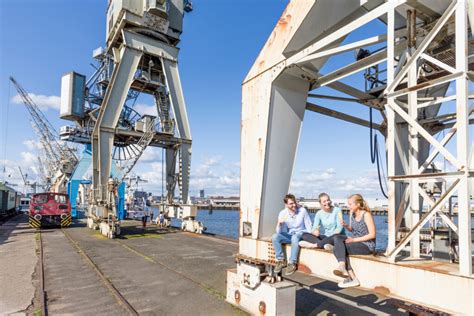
point(42, 40)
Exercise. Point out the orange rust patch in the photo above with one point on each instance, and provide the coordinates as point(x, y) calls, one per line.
point(432, 266)
point(284, 21)
point(382, 290)
point(303, 268)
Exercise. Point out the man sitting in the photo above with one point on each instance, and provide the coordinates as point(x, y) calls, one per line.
point(293, 221)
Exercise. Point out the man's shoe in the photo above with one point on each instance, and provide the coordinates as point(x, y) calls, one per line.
point(348, 283)
point(280, 264)
point(290, 269)
point(306, 244)
point(329, 247)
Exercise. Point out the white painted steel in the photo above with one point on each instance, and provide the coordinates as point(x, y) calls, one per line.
point(273, 95)
point(413, 216)
point(463, 143)
point(277, 299)
point(427, 283)
point(422, 47)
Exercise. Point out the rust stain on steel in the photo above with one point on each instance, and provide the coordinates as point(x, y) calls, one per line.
point(237, 296)
point(304, 268)
point(382, 290)
point(256, 212)
point(284, 21)
point(432, 266)
point(262, 308)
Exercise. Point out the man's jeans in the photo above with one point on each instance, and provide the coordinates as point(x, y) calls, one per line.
point(284, 238)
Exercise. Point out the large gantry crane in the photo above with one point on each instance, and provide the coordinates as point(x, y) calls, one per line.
point(60, 159)
point(414, 59)
point(141, 57)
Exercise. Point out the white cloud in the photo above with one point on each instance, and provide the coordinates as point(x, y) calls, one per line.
point(146, 109)
point(32, 144)
point(11, 174)
point(309, 183)
point(44, 102)
point(151, 154)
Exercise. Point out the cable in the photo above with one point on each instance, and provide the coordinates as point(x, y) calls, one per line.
point(5, 135)
point(162, 174)
point(374, 152)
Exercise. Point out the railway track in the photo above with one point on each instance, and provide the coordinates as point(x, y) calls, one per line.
point(43, 299)
point(99, 275)
point(42, 292)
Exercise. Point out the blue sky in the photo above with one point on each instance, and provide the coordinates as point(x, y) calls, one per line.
point(42, 40)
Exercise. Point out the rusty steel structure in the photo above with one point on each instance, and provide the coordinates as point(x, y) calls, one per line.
point(417, 74)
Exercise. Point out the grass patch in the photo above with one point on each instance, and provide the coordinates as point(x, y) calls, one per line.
point(146, 235)
point(97, 234)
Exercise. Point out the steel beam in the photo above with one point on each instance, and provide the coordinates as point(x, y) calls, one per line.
point(423, 46)
point(104, 129)
point(413, 153)
point(173, 82)
point(342, 116)
point(343, 31)
point(391, 131)
point(426, 217)
point(463, 143)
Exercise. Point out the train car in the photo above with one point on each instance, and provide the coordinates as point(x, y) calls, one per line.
point(8, 200)
point(24, 204)
point(50, 209)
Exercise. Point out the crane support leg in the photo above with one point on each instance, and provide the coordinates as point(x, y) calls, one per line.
point(173, 82)
point(103, 206)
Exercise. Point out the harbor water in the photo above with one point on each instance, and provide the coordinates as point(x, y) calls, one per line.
point(226, 223)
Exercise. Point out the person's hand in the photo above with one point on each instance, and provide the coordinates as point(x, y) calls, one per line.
point(315, 233)
point(349, 240)
point(343, 223)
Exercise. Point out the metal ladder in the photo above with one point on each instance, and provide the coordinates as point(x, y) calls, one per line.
point(142, 144)
point(162, 102)
point(180, 173)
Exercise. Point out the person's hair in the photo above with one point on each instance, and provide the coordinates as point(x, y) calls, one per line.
point(360, 202)
point(289, 197)
point(321, 195)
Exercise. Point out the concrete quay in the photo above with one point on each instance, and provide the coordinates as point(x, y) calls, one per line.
point(157, 271)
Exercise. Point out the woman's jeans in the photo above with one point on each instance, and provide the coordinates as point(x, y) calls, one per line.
point(284, 238)
point(343, 250)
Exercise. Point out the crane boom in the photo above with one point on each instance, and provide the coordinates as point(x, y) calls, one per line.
point(44, 127)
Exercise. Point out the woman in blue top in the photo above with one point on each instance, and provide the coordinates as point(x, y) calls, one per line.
point(330, 218)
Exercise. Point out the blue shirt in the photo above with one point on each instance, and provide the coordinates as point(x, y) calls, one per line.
point(294, 223)
point(331, 221)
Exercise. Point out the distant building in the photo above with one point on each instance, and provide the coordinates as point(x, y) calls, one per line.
point(201, 193)
point(199, 200)
point(220, 201)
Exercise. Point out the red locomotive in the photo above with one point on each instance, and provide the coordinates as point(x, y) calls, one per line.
point(50, 209)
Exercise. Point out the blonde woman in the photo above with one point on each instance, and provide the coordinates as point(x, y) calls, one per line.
point(362, 242)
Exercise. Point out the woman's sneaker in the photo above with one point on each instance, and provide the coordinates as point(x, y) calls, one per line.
point(280, 264)
point(348, 282)
point(306, 244)
point(329, 247)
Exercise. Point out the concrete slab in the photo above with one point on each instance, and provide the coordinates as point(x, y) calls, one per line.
point(17, 264)
point(150, 287)
point(71, 285)
point(159, 272)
